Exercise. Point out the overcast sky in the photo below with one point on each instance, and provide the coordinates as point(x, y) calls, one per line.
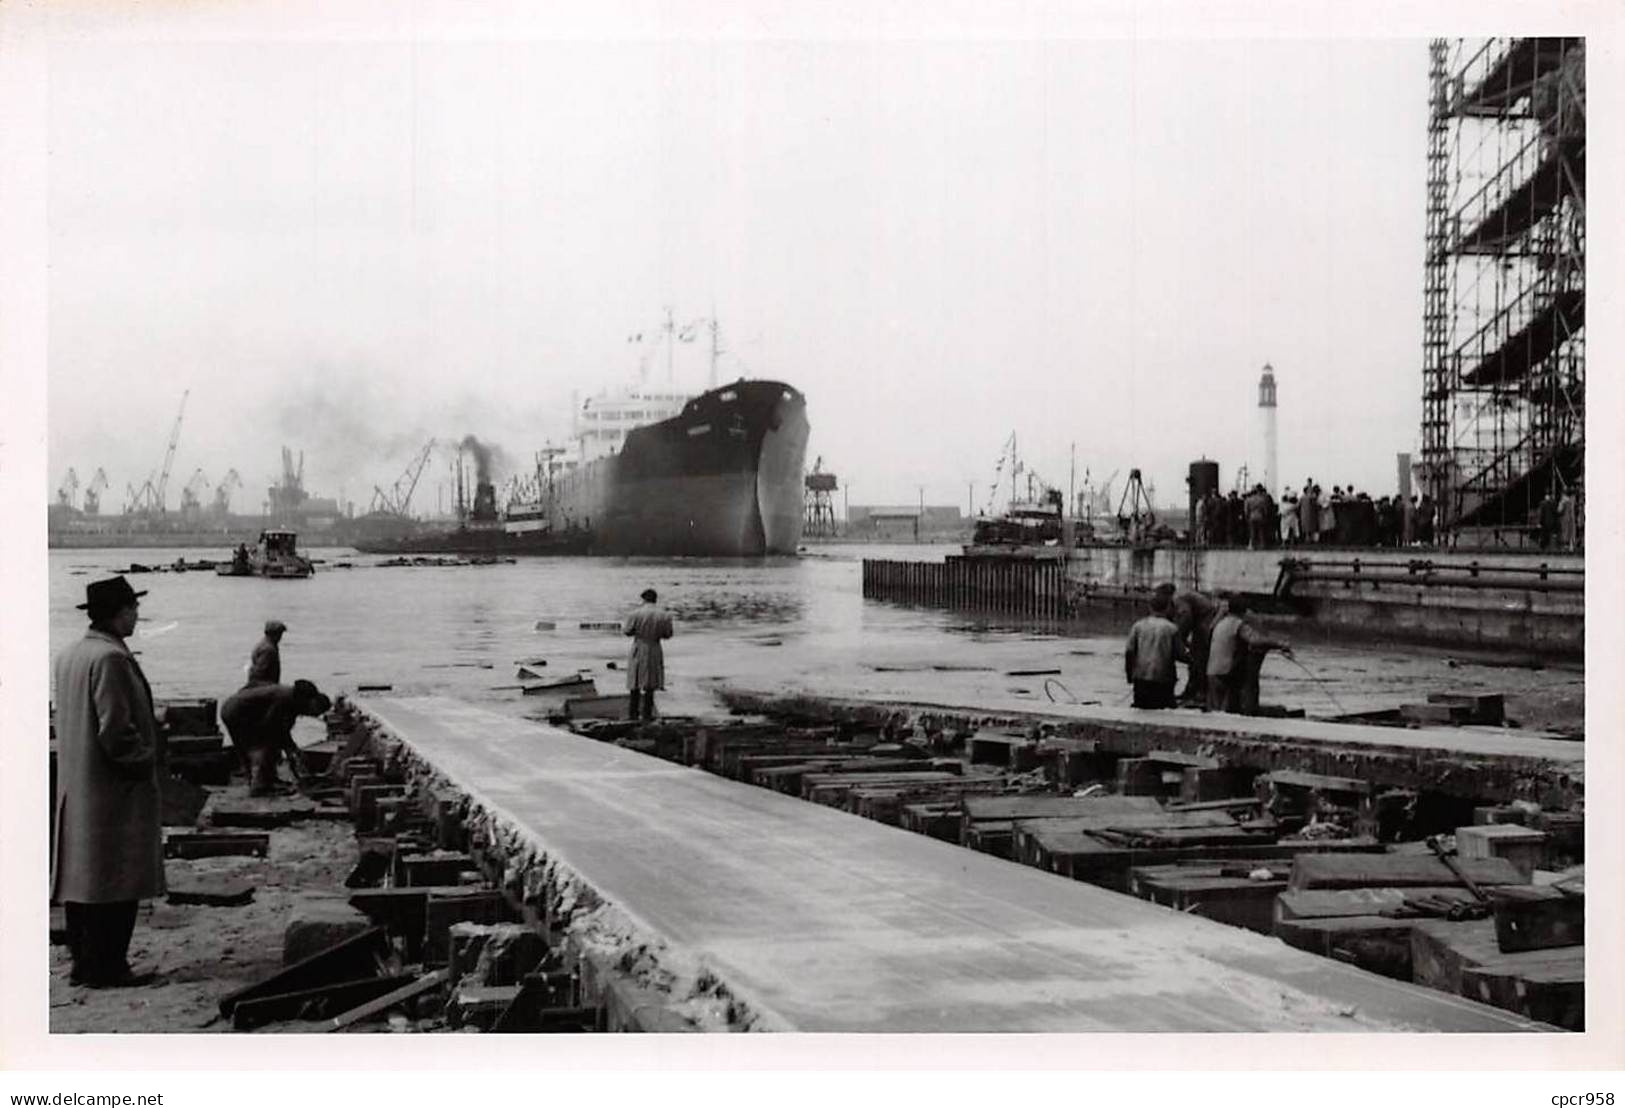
point(348, 246)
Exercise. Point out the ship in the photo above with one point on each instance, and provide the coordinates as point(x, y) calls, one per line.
point(720, 478)
point(653, 472)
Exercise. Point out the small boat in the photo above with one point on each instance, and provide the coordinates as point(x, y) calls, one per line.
point(276, 554)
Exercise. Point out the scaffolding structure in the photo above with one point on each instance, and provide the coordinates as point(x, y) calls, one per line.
point(1503, 402)
point(818, 505)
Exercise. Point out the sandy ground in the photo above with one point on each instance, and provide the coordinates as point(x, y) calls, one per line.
point(1324, 681)
point(203, 953)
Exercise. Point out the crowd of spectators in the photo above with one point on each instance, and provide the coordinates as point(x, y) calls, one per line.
point(1347, 517)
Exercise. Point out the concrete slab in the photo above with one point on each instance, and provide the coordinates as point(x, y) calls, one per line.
point(822, 921)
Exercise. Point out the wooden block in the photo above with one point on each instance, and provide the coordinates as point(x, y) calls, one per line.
point(441, 867)
point(1488, 709)
point(1374, 943)
point(1524, 847)
point(1199, 785)
point(1553, 992)
point(1346, 871)
point(1318, 782)
point(441, 911)
point(994, 749)
point(1441, 950)
point(1436, 714)
point(597, 707)
point(1040, 807)
point(1139, 777)
point(202, 844)
point(1182, 760)
point(1465, 959)
point(481, 1005)
point(1201, 889)
point(366, 803)
point(1565, 844)
point(1537, 919)
point(1330, 903)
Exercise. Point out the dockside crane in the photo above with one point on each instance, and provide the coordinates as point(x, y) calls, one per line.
point(191, 495)
point(223, 491)
point(93, 492)
point(161, 489)
point(398, 501)
point(69, 489)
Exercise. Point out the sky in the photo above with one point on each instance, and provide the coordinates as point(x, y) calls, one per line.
point(350, 237)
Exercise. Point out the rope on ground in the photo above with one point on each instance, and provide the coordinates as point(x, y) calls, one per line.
point(1048, 681)
point(1342, 711)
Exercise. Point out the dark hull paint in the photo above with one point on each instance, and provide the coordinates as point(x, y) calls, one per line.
point(722, 479)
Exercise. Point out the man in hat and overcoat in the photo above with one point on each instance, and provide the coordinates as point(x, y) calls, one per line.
point(265, 664)
point(108, 853)
point(646, 667)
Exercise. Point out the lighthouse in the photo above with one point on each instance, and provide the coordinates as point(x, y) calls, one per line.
point(1266, 413)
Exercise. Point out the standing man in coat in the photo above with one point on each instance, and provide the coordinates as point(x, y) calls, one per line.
point(1148, 658)
point(108, 855)
point(265, 664)
point(646, 667)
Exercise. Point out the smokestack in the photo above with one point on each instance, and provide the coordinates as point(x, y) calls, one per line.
point(482, 459)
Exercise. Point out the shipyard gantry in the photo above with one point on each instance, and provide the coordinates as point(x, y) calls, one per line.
point(1503, 420)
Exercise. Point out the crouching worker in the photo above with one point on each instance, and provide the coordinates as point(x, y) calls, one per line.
point(1234, 660)
point(259, 719)
point(1153, 647)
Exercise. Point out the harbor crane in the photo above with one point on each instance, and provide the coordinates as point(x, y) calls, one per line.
point(69, 489)
point(222, 493)
point(398, 500)
point(191, 495)
point(162, 488)
point(93, 493)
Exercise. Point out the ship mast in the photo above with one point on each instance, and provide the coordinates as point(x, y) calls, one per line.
point(716, 347)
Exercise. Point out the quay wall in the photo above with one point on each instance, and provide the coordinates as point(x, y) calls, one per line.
point(1533, 603)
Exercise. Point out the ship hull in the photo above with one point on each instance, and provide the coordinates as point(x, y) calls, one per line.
point(722, 479)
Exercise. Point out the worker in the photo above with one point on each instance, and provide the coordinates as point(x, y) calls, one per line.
point(646, 667)
point(1547, 520)
point(1194, 614)
point(1566, 519)
point(107, 855)
point(1148, 659)
point(259, 718)
point(1235, 659)
point(265, 664)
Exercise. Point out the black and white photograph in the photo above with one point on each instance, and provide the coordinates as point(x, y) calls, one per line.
point(1054, 535)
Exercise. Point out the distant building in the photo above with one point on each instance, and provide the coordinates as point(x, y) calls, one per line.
point(905, 522)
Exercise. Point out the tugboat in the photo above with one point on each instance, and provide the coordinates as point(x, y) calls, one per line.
point(276, 554)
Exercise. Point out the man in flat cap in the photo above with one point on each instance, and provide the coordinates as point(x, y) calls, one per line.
point(108, 853)
point(646, 668)
point(265, 665)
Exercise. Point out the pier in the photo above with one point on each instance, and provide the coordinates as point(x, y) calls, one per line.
point(731, 906)
point(1528, 603)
